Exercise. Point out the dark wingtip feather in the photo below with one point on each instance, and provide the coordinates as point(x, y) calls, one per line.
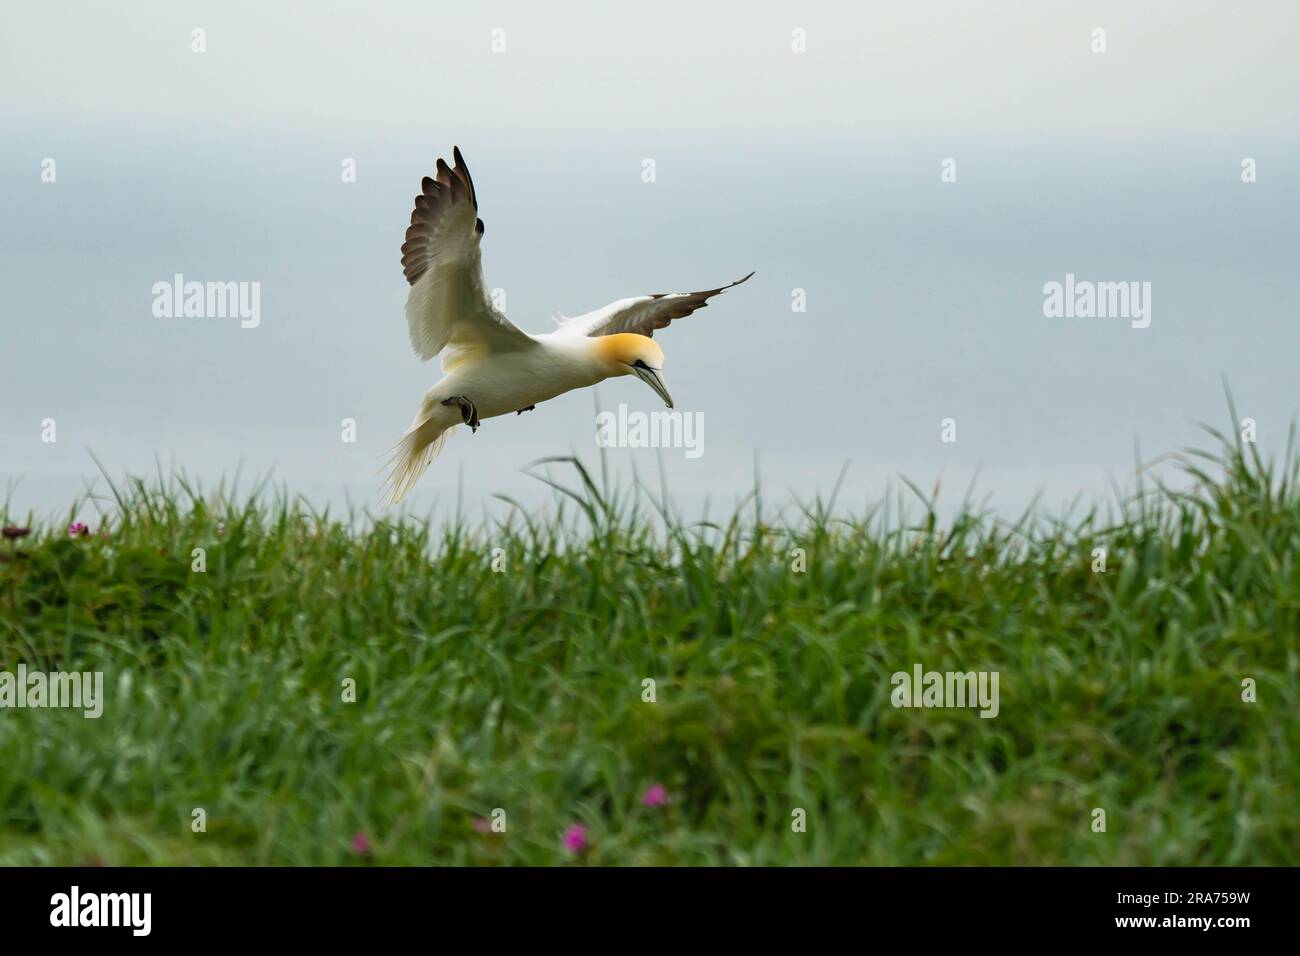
point(462, 170)
point(437, 195)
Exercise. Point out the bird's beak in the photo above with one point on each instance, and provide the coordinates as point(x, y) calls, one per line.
point(652, 378)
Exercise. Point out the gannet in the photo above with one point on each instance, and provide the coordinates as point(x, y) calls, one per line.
point(491, 367)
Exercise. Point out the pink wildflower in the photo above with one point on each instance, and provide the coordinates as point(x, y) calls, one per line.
point(575, 839)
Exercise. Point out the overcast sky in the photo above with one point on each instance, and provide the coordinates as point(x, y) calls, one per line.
point(813, 157)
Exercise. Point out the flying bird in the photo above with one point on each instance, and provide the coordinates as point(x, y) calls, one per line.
point(490, 366)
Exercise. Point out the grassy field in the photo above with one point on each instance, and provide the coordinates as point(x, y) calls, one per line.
point(520, 686)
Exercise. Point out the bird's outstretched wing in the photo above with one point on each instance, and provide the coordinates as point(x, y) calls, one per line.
point(641, 314)
point(448, 307)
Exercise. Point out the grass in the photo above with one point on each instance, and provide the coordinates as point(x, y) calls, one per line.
point(522, 688)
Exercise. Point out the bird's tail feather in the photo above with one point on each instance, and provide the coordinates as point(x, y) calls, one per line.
point(408, 459)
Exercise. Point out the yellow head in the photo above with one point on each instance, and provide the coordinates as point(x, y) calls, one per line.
point(626, 353)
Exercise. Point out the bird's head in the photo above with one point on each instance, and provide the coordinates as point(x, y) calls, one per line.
point(629, 354)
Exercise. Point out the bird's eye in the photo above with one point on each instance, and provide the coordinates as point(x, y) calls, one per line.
point(640, 363)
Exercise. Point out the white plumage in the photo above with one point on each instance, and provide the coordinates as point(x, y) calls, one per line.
point(491, 366)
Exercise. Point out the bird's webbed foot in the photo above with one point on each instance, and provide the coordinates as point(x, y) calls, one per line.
point(468, 413)
point(528, 409)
